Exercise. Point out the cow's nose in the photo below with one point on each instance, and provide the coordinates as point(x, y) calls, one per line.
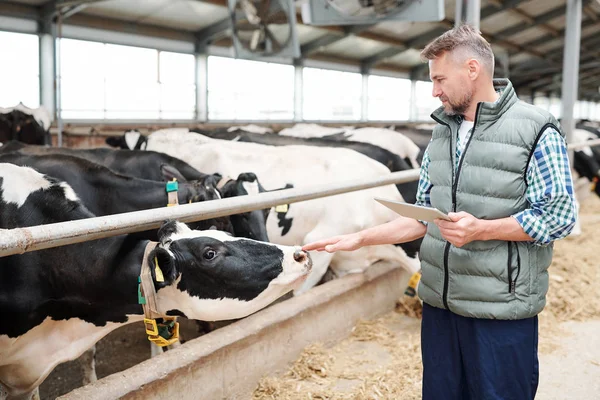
point(300, 256)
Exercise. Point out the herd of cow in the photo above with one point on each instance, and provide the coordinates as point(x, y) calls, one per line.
point(57, 303)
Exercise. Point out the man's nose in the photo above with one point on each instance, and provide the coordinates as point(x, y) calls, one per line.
point(436, 92)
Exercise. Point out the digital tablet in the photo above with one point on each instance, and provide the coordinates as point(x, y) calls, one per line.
point(412, 211)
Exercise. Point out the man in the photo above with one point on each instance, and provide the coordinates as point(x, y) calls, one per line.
point(499, 168)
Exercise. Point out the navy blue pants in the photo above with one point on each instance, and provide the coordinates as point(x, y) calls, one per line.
point(478, 359)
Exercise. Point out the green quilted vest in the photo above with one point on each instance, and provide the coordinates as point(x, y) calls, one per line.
point(486, 279)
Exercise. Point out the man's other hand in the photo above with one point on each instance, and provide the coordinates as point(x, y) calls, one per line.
point(463, 229)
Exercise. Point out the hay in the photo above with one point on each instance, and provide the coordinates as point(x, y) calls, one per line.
point(315, 375)
point(349, 371)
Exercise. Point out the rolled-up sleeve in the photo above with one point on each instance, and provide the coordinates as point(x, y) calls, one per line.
point(552, 213)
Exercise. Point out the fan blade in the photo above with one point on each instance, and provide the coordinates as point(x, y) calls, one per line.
point(276, 45)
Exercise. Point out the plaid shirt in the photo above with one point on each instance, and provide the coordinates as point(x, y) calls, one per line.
point(552, 212)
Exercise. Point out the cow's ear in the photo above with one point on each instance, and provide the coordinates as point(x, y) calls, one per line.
point(247, 177)
point(169, 228)
point(114, 141)
point(169, 172)
point(162, 267)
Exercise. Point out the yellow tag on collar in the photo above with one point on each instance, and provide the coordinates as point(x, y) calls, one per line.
point(158, 272)
point(281, 208)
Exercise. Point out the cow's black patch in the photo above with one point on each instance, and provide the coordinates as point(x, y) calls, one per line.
point(284, 222)
point(239, 269)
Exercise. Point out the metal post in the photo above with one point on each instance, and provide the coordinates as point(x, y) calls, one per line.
point(468, 11)
point(56, 38)
point(364, 114)
point(570, 75)
point(298, 93)
point(47, 72)
point(412, 113)
point(201, 87)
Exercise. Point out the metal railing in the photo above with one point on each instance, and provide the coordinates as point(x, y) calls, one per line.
point(587, 143)
point(21, 240)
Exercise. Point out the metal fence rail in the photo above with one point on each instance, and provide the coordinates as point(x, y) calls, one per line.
point(21, 240)
point(587, 143)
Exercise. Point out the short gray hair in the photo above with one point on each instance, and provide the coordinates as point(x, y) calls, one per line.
point(464, 40)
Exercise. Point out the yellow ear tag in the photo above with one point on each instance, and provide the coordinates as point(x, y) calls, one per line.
point(158, 272)
point(281, 208)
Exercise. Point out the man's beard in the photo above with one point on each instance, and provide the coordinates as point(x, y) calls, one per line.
point(458, 108)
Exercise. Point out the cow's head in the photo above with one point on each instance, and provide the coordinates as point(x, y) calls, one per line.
point(249, 224)
point(210, 275)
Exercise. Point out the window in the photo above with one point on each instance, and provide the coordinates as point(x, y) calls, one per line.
point(123, 82)
point(542, 102)
point(555, 107)
point(426, 103)
point(331, 95)
point(19, 70)
point(388, 98)
point(249, 90)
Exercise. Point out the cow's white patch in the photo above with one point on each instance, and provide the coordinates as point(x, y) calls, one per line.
point(215, 191)
point(33, 355)
point(1, 144)
point(292, 276)
point(19, 182)
point(69, 192)
point(251, 187)
point(131, 138)
point(251, 128)
point(184, 232)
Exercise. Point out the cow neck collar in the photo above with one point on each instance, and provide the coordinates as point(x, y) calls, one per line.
point(161, 333)
point(172, 188)
point(224, 180)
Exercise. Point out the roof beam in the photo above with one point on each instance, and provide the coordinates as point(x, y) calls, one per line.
point(539, 20)
point(205, 35)
point(369, 62)
point(332, 37)
point(556, 59)
point(553, 82)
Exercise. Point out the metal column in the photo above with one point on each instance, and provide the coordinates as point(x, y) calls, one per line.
point(412, 113)
point(298, 92)
point(468, 11)
point(47, 72)
point(201, 87)
point(570, 75)
point(364, 109)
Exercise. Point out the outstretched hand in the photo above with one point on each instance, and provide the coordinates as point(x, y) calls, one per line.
point(347, 242)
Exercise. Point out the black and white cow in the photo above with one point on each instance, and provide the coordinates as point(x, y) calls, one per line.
point(388, 139)
point(25, 124)
point(158, 166)
point(105, 192)
point(56, 303)
point(306, 221)
point(392, 161)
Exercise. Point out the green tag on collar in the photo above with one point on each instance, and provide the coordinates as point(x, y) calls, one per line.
point(172, 186)
point(141, 299)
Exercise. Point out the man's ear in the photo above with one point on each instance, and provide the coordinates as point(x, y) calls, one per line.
point(162, 267)
point(169, 172)
point(474, 68)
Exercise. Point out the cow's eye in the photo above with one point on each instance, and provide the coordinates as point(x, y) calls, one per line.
point(209, 254)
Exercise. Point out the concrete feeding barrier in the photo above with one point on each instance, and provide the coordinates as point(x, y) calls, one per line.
point(229, 362)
